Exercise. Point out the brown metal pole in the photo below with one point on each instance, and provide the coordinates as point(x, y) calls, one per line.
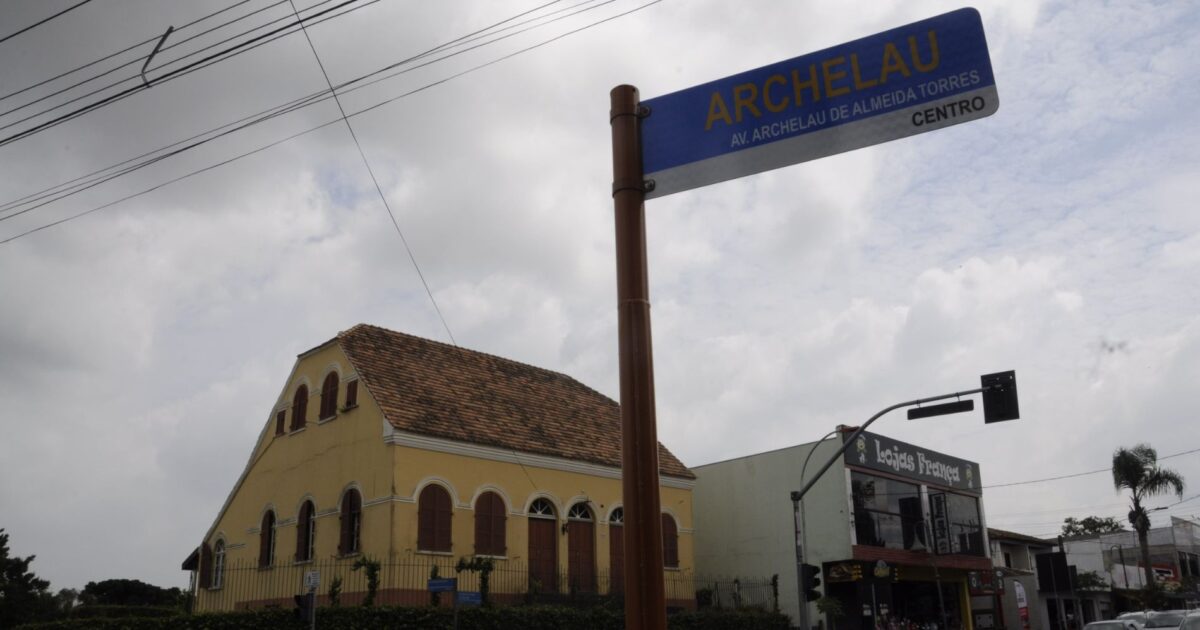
point(645, 597)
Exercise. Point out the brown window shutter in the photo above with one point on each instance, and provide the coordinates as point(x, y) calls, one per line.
point(279, 420)
point(344, 539)
point(499, 518)
point(304, 532)
point(489, 525)
point(443, 523)
point(352, 393)
point(300, 408)
point(329, 392)
point(670, 542)
point(433, 519)
point(206, 562)
point(266, 536)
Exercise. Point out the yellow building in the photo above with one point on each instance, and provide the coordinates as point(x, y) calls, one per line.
point(417, 454)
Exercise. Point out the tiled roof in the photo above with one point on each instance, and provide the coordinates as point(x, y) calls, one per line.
point(434, 389)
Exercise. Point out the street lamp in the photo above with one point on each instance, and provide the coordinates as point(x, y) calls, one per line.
point(999, 404)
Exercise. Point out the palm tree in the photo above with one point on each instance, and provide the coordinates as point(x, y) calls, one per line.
point(1137, 470)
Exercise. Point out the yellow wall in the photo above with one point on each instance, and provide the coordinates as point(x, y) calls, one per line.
point(325, 458)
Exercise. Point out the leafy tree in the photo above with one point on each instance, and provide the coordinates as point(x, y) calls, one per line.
point(129, 593)
point(1091, 581)
point(23, 596)
point(1090, 526)
point(1136, 469)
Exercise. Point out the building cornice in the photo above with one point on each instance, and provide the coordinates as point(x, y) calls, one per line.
point(479, 451)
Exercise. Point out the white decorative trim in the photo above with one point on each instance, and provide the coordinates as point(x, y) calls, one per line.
point(558, 508)
point(253, 530)
point(353, 485)
point(508, 504)
point(440, 481)
point(581, 498)
point(684, 530)
point(613, 508)
point(395, 437)
point(671, 513)
point(295, 431)
point(286, 522)
point(387, 499)
point(231, 547)
point(295, 385)
point(300, 504)
point(329, 512)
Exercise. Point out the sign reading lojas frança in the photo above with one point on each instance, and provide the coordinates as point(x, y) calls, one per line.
point(919, 464)
point(916, 78)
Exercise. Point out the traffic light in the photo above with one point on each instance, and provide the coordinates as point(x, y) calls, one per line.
point(810, 579)
point(1000, 397)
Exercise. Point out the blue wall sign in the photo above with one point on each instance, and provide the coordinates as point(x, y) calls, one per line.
point(469, 598)
point(442, 585)
point(916, 78)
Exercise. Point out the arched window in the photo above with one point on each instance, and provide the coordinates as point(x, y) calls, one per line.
point(581, 548)
point(489, 525)
point(329, 394)
point(433, 519)
point(299, 407)
point(543, 546)
point(266, 540)
point(616, 551)
point(670, 542)
point(218, 574)
point(350, 540)
point(305, 532)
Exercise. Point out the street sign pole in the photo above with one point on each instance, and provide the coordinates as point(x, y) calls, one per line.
point(645, 597)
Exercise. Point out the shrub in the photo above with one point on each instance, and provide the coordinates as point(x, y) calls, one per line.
point(360, 618)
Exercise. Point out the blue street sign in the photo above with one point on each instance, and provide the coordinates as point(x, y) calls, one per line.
point(469, 598)
point(916, 78)
point(442, 585)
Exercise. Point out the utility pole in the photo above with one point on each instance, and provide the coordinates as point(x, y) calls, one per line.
point(645, 594)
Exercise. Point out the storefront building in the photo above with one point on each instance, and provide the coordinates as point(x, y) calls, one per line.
point(897, 530)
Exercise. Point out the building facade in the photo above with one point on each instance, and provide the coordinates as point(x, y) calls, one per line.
point(417, 454)
point(897, 530)
point(1019, 604)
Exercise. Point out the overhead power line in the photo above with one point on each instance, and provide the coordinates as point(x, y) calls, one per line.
point(217, 56)
point(134, 62)
point(79, 184)
point(1080, 474)
point(119, 52)
point(43, 21)
point(375, 181)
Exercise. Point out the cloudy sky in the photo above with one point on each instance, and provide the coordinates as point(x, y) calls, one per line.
point(142, 345)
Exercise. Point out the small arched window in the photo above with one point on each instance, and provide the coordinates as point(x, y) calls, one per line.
point(329, 396)
point(218, 573)
point(299, 407)
point(490, 520)
point(670, 542)
point(433, 519)
point(266, 540)
point(350, 540)
point(305, 532)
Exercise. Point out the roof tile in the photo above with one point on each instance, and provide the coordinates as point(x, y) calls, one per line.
point(443, 391)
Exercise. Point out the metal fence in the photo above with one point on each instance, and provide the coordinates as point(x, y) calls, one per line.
point(403, 582)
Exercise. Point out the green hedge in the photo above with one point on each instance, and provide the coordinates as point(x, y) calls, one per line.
point(525, 617)
point(97, 611)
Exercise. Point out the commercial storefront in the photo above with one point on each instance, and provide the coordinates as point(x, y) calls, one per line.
point(897, 530)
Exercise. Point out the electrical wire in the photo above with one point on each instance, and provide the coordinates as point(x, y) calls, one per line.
point(75, 186)
point(326, 124)
point(1081, 474)
point(375, 181)
point(119, 52)
point(134, 62)
point(218, 56)
point(43, 21)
